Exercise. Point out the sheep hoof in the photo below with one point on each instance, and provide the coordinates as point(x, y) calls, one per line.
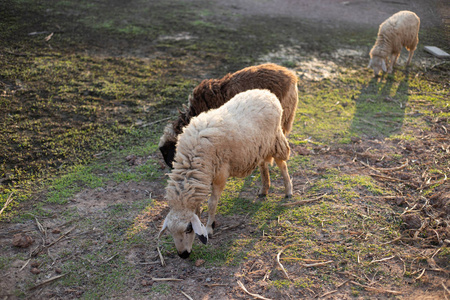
point(262, 195)
point(288, 196)
point(213, 225)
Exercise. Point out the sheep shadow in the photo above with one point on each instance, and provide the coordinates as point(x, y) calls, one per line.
point(380, 107)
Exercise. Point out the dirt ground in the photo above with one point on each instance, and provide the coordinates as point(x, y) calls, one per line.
point(206, 282)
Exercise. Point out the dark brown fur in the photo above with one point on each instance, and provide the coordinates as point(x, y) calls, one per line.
point(213, 93)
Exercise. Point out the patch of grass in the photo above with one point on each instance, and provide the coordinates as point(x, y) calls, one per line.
point(161, 289)
point(66, 186)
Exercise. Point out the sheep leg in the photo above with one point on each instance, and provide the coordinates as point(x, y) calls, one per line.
point(217, 189)
point(286, 178)
point(265, 178)
point(393, 61)
point(411, 53)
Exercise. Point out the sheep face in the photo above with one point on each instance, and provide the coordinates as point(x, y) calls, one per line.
point(378, 64)
point(167, 145)
point(184, 226)
point(168, 152)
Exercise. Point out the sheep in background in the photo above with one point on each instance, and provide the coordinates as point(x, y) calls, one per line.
point(213, 93)
point(399, 30)
point(230, 141)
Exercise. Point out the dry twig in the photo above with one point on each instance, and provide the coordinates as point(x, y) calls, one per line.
point(241, 285)
point(445, 288)
point(279, 263)
point(39, 249)
point(8, 201)
point(163, 262)
point(421, 274)
point(318, 264)
point(23, 267)
point(166, 279)
point(380, 260)
point(186, 295)
point(328, 293)
point(154, 122)
point(378, 290)
point(47, 281)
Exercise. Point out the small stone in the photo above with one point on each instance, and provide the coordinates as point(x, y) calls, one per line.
point(355, 139)
point(22, 240)
point(58, 271)
point(35, 264)
point(109, 241)
point(56, 231)
point(35, 271)
point(303, 151)
point(208, 279)
point(199, 262)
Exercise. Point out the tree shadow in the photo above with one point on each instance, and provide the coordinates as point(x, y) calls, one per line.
point(380, 107)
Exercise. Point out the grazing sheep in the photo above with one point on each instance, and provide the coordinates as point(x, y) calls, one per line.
point(399, 30)
point(230, 141)
point(213, 93)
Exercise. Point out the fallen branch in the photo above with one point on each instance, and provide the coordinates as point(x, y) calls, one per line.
point(251, 294)
point(395, 179)
point(279, 263)
point(378, 290)
point(8, 201)
point(421, 274)
point(318, 264)
point(166, 279)
point(380, 260)
point(328, 293)
point(441, 181)
point(40, 249)
point(186, 295)
point(154, 122)
point(214, 284)
point(386, 169)
point(161, 258)
point(23, 267)
point(303, 201)
point(47, 281)
point(338, 286)
point(445, 288)
point(163, 262)
point(393, 241)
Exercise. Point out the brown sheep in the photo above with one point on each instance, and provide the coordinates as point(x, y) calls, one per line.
point(213, 93)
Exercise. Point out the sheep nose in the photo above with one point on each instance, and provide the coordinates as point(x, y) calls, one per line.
point(184, 255)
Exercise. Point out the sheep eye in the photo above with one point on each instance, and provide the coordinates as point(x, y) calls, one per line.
point(189, 228)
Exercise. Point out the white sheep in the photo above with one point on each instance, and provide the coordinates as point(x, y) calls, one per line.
point(230, 141)
point(399, 30)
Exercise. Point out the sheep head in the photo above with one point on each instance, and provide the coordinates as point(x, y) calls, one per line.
point(378, 64)
point(184, 225)
point(167, 145)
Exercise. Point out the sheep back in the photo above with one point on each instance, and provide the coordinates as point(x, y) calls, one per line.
point(213, 93)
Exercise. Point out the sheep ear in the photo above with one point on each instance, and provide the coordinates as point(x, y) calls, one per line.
point(383, 66)
point(199, 229)
point(164, 227)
